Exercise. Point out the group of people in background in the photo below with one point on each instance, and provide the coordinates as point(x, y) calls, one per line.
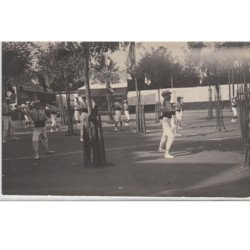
point(171, 119)
point(34, 112)
point(119, 110)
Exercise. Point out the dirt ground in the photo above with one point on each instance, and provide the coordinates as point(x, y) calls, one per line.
point(206, 164)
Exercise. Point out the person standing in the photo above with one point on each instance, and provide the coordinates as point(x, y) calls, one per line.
point(53, 115)
point(234, 108)
point(118, 113)
point(77, 112)
point(83, 109)
point(167, 126)
point(26, 114)
point(7, 122)
point(39, 118)
point(179, 112)
point(126, 112)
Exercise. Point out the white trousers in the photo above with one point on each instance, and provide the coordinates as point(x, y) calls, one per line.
point(178, 115)
point(77, 116)
point(53, 120)
point(7, 126)
point(234, 109)
point(118, 115)
point(168, 133)
point(126, 112)
point(37, 133)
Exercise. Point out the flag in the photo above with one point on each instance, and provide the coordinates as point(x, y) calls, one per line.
point(147, 80)
point(130, 61)
point(107, 61)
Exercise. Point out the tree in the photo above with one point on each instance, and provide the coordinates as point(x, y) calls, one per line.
point(61, 62)
point(156, 64)
point(105, 72)
point(17, 59)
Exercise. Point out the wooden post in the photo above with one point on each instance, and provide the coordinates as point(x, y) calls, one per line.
point(229, 87)
point(70, 122)
point(143, 120)
point(86, 148)
point(137, 119)
point(233, 81)
point(101, 140)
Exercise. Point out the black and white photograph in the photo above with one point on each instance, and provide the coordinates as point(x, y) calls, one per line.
point(126, 119)
point(125, 124)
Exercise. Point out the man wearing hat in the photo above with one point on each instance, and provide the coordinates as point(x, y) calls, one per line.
point(118, 113)
point(39, 118)
point(126, 112)
point(234, 108)
point(168, 129)
point(7, 122)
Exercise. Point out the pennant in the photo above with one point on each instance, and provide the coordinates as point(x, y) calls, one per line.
point(130, 61)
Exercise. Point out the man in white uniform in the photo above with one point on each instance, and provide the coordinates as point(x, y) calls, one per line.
point(7, 122)
point(126, 112)
point(234, 109)
point(118, 113)
point(39, 118)
point(167, 126)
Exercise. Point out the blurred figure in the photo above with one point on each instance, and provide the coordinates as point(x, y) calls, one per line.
point(39, 118)
point(26, 114)
point(53, 115)
point(118, 113)
point(126, 112)
point(83, 109)
point(77, 111)
point(234, 108)
point(7, 122)
point(167, 125)
point(179, 106)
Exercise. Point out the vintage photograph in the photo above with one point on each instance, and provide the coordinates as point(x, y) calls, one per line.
point(126, 119)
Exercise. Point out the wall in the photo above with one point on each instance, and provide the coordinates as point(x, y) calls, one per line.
point(190, 95)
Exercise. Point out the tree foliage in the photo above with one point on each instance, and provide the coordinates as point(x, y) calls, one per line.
point(157, 65)
point(105, 70)
point(63, 61)
point(17, 59)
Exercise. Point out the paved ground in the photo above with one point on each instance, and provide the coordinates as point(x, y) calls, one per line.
point(206, 164)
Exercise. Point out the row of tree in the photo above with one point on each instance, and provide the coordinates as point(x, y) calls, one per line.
point(196, 68)
point(60, 65)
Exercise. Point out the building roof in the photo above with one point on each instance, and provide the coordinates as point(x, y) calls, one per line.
point(98, 89)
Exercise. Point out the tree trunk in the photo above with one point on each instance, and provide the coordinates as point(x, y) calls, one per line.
point(109, 104)
point(229, 87)
point(233, 81)
point(70, 122)
point(62, 110)
point(86, 77)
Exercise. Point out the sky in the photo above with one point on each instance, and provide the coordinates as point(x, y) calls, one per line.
point(176, 48)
